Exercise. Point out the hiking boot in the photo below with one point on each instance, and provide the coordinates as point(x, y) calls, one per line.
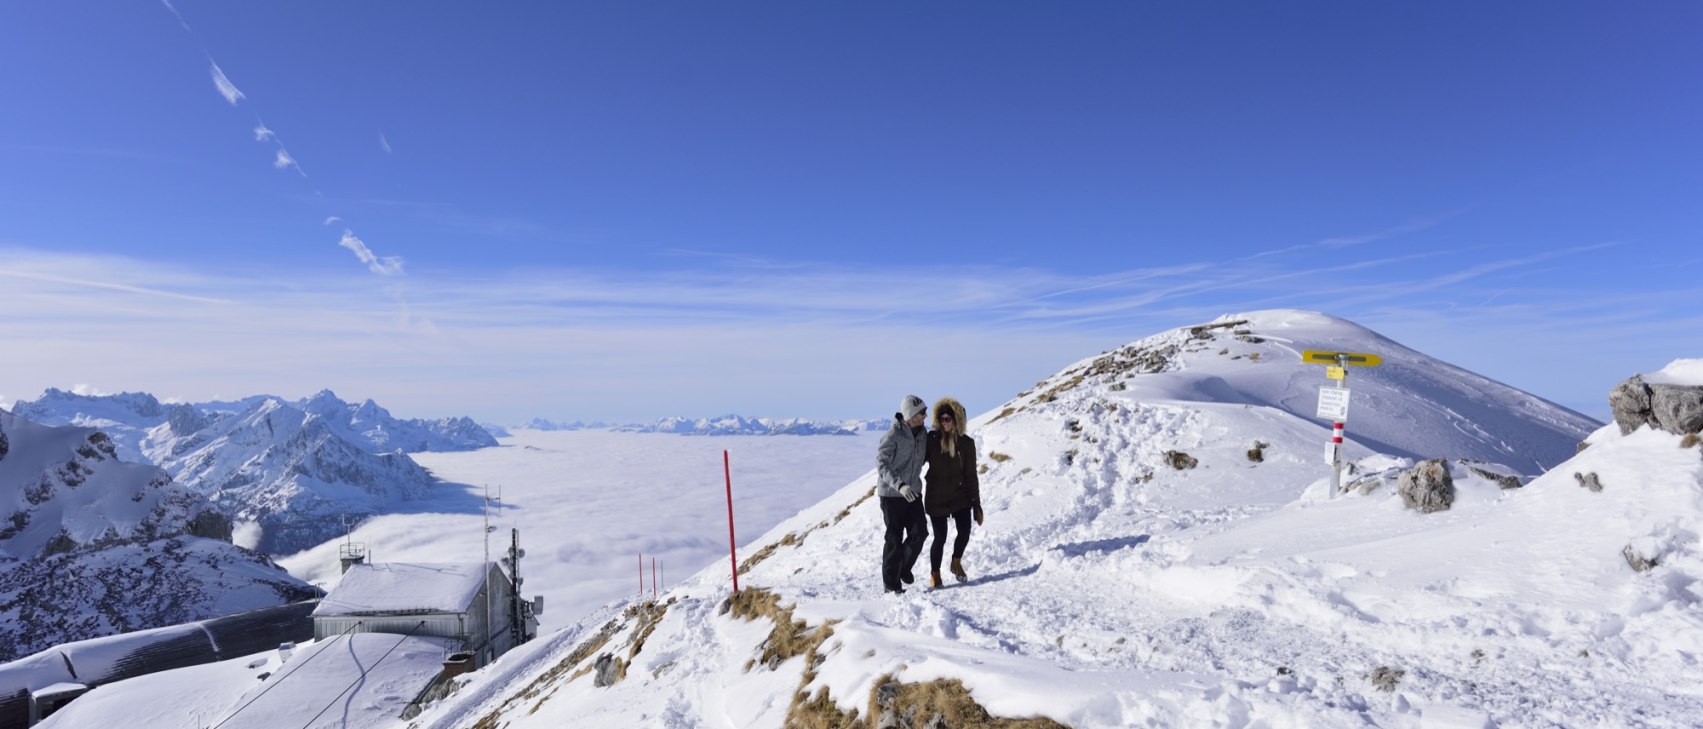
point(958, 570)
point(906, 577)
point(895, 590)
point(934, 579)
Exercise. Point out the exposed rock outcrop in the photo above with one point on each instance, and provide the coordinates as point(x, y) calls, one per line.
point(1673, 408)
point(1427, 487)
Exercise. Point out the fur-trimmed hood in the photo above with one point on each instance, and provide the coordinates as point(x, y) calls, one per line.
point(957, 414)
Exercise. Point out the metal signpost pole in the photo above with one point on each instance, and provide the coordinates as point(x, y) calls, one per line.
point(1333, 402)
point(1336, 431)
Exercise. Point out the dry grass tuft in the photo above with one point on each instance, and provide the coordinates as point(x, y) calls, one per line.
point(998, 457)
point(586, 649)
point(820, 712)
point(768, 551)
point(647, 615)
point(789, 639)
point(945, 702)
point(796, 538)
point(1690, 440)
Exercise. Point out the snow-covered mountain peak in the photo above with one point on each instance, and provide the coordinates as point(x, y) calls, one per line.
point(1159, 551)
point(120, 406)
point(1411, 405)
point(90, 544)
point(65, 490)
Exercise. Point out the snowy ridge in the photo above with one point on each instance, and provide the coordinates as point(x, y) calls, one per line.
point(91, 545)
point(1159, 551)
point(724, 425)
point(290, 472)
point(132, 417)
point(293, 469)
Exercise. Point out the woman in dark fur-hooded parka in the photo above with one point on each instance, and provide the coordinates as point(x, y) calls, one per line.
point(954, 489)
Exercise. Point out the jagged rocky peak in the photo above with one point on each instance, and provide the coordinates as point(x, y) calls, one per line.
point(185, 420)
point(326, 403)
point(370, 412)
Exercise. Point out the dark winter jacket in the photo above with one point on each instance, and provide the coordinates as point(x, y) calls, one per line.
point(953, 484)
point(899, 459)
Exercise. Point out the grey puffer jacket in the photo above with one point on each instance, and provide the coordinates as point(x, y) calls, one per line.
point(899, 460)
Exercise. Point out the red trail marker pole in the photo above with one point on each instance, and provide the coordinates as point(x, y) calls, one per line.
point(732, 556)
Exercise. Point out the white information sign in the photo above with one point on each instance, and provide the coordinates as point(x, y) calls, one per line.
point(1333, 403)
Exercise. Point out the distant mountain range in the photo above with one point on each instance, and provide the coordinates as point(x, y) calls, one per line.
point(295, 469)
point(723, 425)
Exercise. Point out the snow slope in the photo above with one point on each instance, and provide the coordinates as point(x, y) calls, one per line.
point(350, 682)
point(1111, 588)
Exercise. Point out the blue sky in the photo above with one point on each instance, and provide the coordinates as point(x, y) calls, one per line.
point(636, 209)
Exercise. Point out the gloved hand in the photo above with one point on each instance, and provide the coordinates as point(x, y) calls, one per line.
point(909, 493)
point(978, 514)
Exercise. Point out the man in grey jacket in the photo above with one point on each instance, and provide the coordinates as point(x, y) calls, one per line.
point(898, 481)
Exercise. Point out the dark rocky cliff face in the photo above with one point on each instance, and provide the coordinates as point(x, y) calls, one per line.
point(87, 594)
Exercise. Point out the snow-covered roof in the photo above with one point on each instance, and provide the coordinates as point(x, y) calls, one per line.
point(399, 587)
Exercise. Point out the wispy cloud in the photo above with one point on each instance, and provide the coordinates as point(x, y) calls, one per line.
point(223, 83)
point(383, 143)
point(764, 336)
point(385, 266)
point(284, 161)
point(332, 220)
point(176, 14)
point(261, 133)
point(1415, 225)
point(107, 285)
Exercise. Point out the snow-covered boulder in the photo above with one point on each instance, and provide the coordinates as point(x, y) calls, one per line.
point(1670, 399)
point(1427, 487)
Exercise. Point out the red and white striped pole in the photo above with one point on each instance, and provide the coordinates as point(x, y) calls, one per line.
point(1336, 430)
point(1335, 459)
point(732, 556)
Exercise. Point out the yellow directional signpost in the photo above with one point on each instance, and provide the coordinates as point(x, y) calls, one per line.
point(1358, 359)
point(1333, 401)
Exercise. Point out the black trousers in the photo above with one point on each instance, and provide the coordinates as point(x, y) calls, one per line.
point(907, 527)
point(937, 549)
